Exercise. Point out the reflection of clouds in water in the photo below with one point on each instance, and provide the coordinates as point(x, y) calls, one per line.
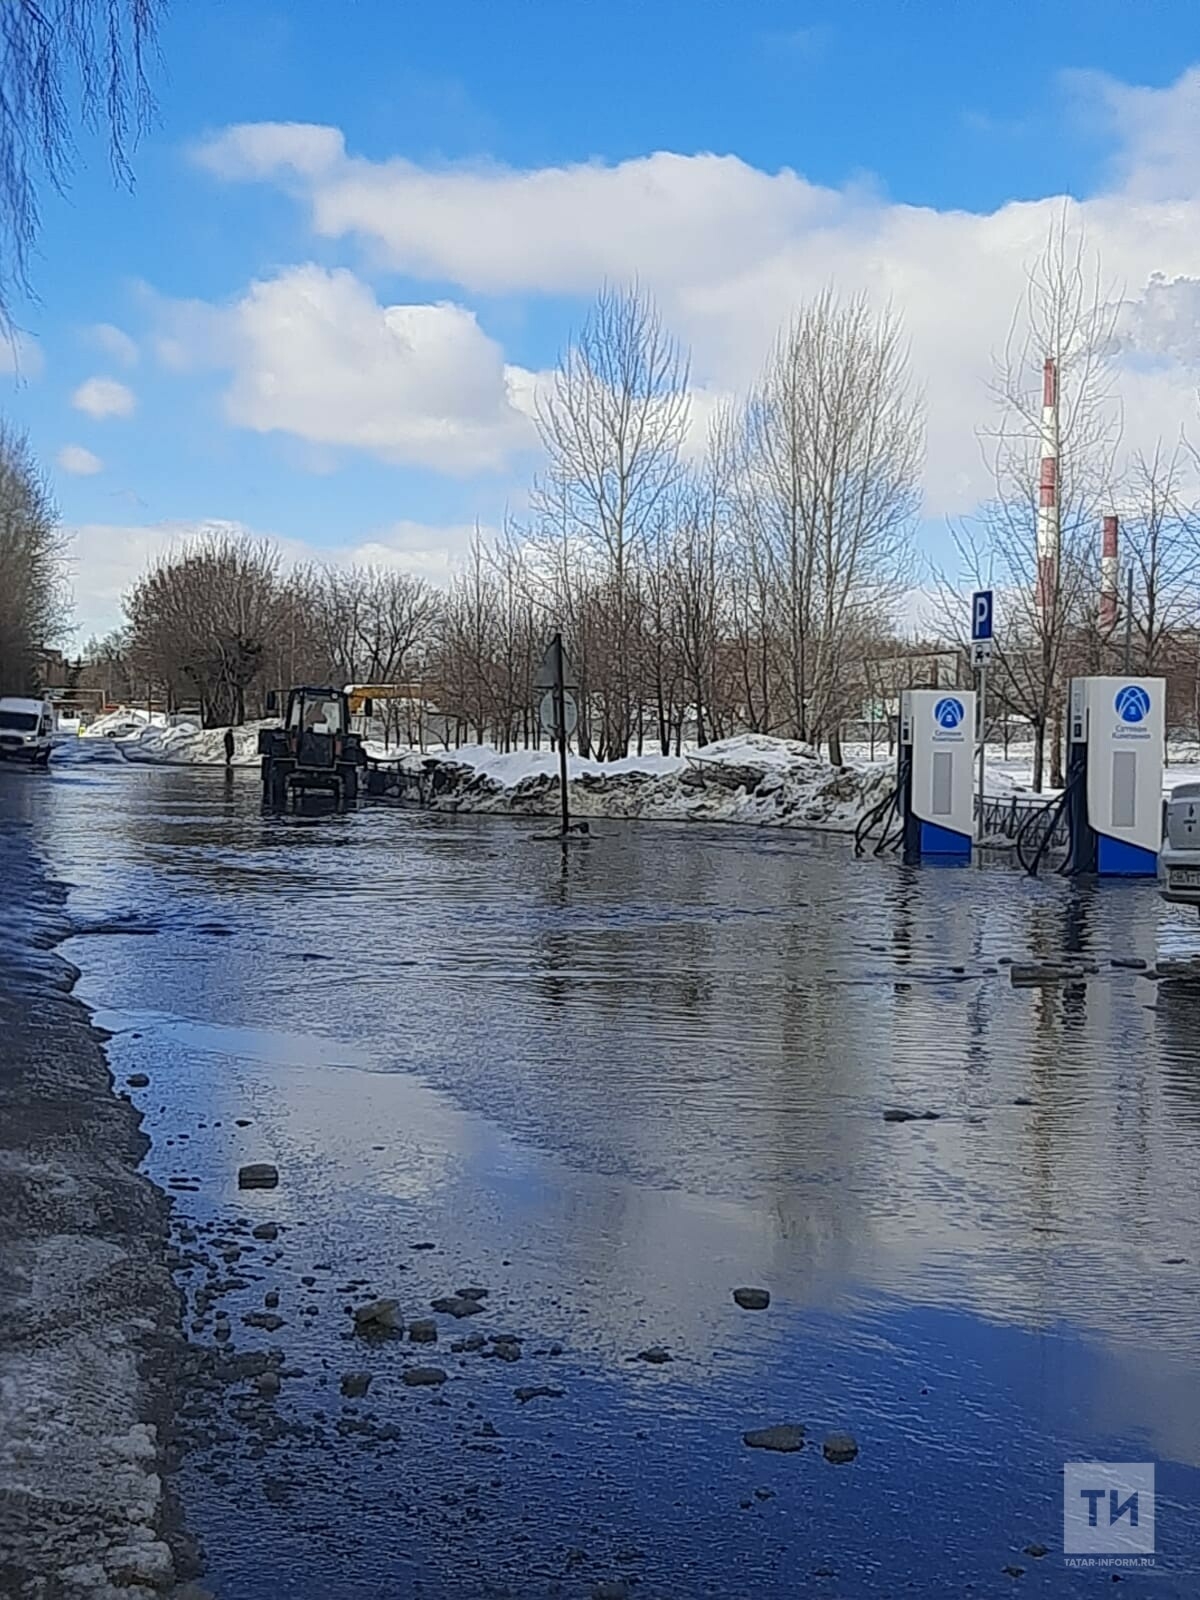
point(663, 1072)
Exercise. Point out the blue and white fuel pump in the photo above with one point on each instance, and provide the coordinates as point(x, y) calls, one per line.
point(936, 761)
point(1114, 787)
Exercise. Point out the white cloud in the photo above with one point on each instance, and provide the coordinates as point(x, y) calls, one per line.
point(80, 463)
point(729, 250)
point(103, 397)
point(313, 354)
point(106, 559)
point(114, 343)
point(427, 550)
point(1158, 131)
point(21, 355)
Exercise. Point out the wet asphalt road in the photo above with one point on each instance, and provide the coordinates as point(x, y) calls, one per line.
point(612, 1087)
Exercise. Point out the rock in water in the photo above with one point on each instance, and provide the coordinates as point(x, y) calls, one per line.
point(355, 1384)
point(270, 1320)
point(266, 1230)
point(538, 1391)
point(785, 1436)
point(258, 1175)
point(456, 1305)
point(138, 1080)
point(423, 1331)
point(840, 1448)
point(655, 1354)
point(752, 1299)
point(423, 1377)
point(377, 1316)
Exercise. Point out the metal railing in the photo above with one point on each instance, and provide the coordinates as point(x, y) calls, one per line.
point(1008, 814)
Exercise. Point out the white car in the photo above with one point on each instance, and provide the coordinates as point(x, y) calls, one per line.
point(26, 729)
point(1179, 862)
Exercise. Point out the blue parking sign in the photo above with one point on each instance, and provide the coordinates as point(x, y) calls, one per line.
point(981, 615)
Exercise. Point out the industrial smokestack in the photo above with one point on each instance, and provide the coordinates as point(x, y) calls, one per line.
point(1108, 575)
point(1048, 531)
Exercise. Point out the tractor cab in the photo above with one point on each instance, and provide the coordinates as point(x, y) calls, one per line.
point(314, 749)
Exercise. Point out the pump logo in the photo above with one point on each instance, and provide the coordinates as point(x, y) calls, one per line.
point(948, 712)
point(1132, 703)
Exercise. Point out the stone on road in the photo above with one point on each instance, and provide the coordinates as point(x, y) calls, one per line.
point(377, 1316)
point(258, 1175)
point(784, 1436)
point(752, 1299)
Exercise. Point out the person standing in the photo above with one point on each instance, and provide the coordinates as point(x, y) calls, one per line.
point(228, 747)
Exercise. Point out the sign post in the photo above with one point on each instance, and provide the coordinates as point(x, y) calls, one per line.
point(981, 654)
point(559, 714)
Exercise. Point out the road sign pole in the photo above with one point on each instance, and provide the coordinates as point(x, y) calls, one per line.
point(560, 730)
point(982, 632)
point(982, 738)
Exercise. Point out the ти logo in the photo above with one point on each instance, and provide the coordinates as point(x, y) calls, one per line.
point(948, 712)
point(1132, 703)
point(1108, 1510)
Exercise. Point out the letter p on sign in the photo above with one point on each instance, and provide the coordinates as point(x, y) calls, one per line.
point(981, 614)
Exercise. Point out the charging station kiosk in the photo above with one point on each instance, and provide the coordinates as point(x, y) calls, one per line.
point(936, 765)
point(1115, 776)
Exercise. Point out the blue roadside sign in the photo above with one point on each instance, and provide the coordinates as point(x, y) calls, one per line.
point(981, 615)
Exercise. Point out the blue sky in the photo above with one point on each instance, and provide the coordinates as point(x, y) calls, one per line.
point(930, 145)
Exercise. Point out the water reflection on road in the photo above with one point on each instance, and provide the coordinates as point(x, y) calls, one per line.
point(613, 1084)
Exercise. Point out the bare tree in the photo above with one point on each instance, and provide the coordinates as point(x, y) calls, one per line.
point(612, 425)
point(200, 621)
point(1065, 317)
point(1160, 538)
point(63, 62)
point(833, 448)
point(34, 602)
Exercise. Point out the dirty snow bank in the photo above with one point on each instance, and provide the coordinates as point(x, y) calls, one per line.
point(748, 779)
point(186, 745)
point(89, 1314)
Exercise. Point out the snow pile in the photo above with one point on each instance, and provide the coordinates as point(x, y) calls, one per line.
point(123, 723)
point(748, 779)
point(186, 745)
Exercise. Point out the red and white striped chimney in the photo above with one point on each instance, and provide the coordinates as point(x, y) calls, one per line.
point(1108, 575)
point(1048, 529)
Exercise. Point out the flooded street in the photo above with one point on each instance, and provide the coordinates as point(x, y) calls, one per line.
point(611, 1085)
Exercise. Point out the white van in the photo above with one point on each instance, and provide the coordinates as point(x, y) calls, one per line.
point(26, 729)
